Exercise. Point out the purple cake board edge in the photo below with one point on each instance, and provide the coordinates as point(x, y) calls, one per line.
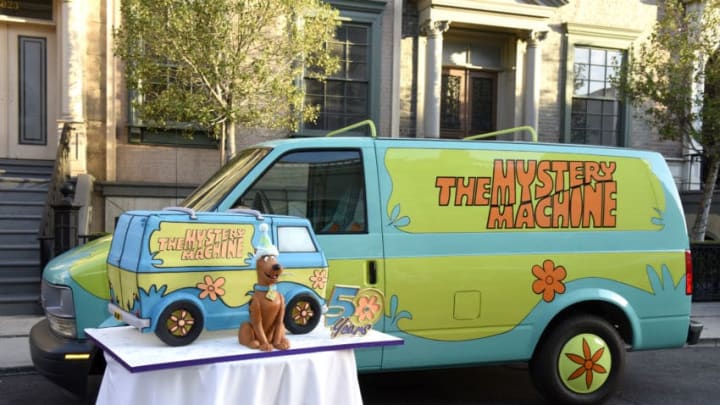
point(247, 356)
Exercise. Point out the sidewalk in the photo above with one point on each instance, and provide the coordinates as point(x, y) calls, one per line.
point(15, 352)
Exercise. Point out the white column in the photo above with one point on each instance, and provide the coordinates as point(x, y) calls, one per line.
point(433, 75)
point(533, 58)
point(72, 50)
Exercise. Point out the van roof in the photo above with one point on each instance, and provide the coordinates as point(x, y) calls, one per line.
point(351, 141)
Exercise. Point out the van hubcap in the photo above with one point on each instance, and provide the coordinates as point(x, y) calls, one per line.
point(584, 363)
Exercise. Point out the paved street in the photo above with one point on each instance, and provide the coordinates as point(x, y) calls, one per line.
point(680, 376)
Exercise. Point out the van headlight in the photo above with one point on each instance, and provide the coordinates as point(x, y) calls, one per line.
point(59, 309)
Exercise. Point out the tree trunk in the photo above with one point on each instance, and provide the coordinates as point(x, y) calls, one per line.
point(701, 220)
point(230, 140)
point(222, 146)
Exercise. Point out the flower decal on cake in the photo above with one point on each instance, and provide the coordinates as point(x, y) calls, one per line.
point(319, 279)
point(367, 308)
point(549, 280)
point(210, 288)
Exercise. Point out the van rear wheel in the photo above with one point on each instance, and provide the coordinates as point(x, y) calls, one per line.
point(179, 324)
point(302, 314)
point(579, 362)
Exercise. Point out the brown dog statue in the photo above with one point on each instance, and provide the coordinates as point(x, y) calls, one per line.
point(265, 330)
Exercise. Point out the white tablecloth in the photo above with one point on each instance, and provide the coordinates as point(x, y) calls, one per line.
point(326, 377)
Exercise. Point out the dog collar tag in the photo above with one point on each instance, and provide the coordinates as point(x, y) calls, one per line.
point(271, 293)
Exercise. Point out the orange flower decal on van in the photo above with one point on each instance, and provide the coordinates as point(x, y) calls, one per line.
point(211, 288)
point(549, 280)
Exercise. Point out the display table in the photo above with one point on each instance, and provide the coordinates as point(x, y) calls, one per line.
point(216, 369)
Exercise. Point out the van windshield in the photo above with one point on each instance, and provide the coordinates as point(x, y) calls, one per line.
point(208, 195)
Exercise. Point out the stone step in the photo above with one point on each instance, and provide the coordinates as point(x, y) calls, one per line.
point(21, 207)
point(19, 222)
point(26, 168)
point(22, 236)
point(20, 252)
point(20, 268)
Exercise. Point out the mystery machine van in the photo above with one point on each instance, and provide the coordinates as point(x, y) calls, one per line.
point(562, 256)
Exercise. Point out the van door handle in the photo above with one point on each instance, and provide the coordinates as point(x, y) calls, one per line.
point(372, 272)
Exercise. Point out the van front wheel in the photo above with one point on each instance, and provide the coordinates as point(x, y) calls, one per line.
point(179, 324)
point(579, 362)
point(302, 314)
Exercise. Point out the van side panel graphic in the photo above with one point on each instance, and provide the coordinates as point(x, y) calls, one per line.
point(480, 190)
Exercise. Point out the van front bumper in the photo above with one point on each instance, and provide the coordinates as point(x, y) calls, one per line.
point(694, 331)
point(66, 362)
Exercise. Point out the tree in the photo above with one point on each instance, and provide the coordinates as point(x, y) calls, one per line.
point(673, 76)
point(219, 64)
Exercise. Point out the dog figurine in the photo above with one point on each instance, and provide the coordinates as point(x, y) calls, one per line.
point(266, 330)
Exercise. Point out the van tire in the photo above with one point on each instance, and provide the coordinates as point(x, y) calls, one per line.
point(172, 327)
point(302, 314)
point(551, 367)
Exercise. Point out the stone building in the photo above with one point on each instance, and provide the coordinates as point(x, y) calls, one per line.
point(417, 68)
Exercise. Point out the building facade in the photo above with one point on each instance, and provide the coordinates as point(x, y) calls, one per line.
point(417, 68)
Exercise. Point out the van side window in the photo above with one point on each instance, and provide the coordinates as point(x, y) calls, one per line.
point(325, 186)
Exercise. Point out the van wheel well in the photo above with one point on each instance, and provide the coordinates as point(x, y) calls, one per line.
point(605, 310)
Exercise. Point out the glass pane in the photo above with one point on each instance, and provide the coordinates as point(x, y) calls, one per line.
point(454, 53)
point(335, 88)
point(597, 57)
point(579, 104)
point(481, 110)
point(580, 83)
point(597, 73)
point(610, 107)
point(596, 89)
point(358, 71)
point(314, 87)
point(614, 58)
point(357, 34)
point(358, 90)
point(609, 138)
point(315, 100)
point(582, 55)
point(33, 96)
point(594, 106)
point(337, 49)
point(358, 53)
point(594, 122)
point(608, 123)
point(356, 106)
point(578, 121)
point(488, 56)
point(593, 137)
point(450, 102)
point(334, 104)
point(577, 136)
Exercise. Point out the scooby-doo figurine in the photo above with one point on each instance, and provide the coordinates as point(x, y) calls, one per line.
point(265, 330)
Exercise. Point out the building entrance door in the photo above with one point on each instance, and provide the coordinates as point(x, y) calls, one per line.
point(28, 96)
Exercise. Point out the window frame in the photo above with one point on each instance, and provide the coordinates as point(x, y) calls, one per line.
point(363, 12)
point(592, 36)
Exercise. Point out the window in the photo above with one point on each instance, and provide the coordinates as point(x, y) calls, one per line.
point(352, 93)
point(343, 97)
point(592, 111)
point(327, 187)
point(596, 110)
point(468, 103)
